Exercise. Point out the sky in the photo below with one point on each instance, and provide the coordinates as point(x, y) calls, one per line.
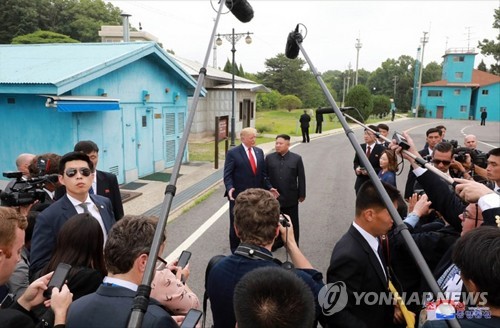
point(386, 29)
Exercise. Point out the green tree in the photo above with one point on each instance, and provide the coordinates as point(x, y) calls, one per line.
point(482, 66)
point(268, 100)
point(492, 47)
point(432, 72)
point(290, 102)
point(381, 105)
point(17, 17)
point(286, 75)
point(360, 98)
point(78, 19)
point(43, 37)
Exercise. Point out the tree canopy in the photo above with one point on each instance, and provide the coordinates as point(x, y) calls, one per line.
point(492, 47)
point(43, 37)
point(78, 19)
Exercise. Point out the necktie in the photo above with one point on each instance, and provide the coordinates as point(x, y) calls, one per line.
point(368, 151)
point(252, 161)
point(91, 190)
point(85, 207)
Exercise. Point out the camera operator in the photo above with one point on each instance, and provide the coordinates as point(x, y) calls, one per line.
point(43, 165)
point(256, 222)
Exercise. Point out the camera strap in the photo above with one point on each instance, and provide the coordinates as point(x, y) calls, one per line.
point(254, 253)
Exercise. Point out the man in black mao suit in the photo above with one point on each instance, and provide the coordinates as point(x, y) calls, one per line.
point(374, 157)
point(75, 172)
point(239, 174)
point(104, 183)
point(356, 263)
point(286, 173)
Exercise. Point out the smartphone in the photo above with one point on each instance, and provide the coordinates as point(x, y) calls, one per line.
point(58, 279)
point(191, 319)
point(184, 259)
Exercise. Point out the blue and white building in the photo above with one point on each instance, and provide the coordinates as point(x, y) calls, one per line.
point(129, 98)
point(463, 92)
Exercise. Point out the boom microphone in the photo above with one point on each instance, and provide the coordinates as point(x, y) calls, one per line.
point(292, 48)
point(241, 9)
point(343, 109)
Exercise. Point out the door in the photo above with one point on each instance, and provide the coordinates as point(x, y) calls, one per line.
point(246, 112)
point(144, 140)
point(440, 112)
point(174, 128)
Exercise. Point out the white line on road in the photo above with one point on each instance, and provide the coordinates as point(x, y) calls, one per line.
point(197, 234)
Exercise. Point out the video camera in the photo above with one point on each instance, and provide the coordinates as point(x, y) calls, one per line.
point(477, 157)
point(25, 191)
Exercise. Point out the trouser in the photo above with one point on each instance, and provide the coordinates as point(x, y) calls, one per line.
point(234, 241)
point(305, 134)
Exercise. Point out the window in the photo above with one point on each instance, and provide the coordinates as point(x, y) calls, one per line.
point(463, 109)
point(484, 92)
point(456, 92)
point(435, 93)
point(458, 58)
point(459, 75)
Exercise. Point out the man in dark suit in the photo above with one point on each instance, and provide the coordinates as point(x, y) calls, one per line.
point(244, 168)
point(357, 263)
point(373, 151)
point(433, 137)
point(126, 254)
point(104, 183)
point(304, 126)
point(286, 173)
point(75, 172)
point(319, 121)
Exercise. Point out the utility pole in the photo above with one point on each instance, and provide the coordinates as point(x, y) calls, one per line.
point(215, 53)
point(358, 46)
point(343, 90)
point(424, 40)
point(348, 77)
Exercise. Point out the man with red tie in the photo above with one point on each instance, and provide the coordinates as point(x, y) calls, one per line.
point(373, 151)
point(244, 168)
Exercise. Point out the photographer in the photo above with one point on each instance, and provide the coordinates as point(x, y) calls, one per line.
point(256, 223)
point(46, 165)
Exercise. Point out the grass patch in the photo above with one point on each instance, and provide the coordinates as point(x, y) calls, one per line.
point(205, 151)
point(198, 200)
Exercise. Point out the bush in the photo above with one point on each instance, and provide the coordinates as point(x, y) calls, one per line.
point(263, 128)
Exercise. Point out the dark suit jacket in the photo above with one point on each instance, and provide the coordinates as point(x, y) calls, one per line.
point(49, 222)
point(355, 263)
point(107, 186)
point(304, 120)
point(374, 158)
point(410, 182)
point(238, 173)
point(286, 173)
point(110, 307)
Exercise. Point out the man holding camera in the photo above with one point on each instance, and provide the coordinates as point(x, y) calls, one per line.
point(256, 222)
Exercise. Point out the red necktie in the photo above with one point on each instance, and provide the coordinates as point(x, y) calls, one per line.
point(252, 161)
point(368, 151)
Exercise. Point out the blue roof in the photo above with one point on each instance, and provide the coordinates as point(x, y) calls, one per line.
point(66, 65)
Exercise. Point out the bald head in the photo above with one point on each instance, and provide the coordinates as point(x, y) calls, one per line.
point(23, 161)
point(470, 141)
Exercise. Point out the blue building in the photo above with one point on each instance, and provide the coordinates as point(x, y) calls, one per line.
point(130, 98)
point(463, 92)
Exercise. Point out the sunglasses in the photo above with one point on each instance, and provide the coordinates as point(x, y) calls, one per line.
point(438, 161)
point(85, 171)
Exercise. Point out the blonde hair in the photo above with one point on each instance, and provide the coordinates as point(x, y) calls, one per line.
point(10, 219)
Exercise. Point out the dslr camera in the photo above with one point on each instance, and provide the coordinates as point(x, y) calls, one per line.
point(477, 157)
point(25, 191)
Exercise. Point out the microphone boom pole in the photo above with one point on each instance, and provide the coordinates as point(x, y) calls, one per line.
point(410, 243)
point(141, 299)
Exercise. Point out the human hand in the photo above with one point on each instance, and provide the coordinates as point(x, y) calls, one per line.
point(60, 302)
point(422, 206)
point(230, 194)
point(286, 233)
point(33, 295)
point(301, 199)
point(412, 150)
point(470, 190)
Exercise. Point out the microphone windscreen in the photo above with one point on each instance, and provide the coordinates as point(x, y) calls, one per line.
point(292, 48)
point(241, 9)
